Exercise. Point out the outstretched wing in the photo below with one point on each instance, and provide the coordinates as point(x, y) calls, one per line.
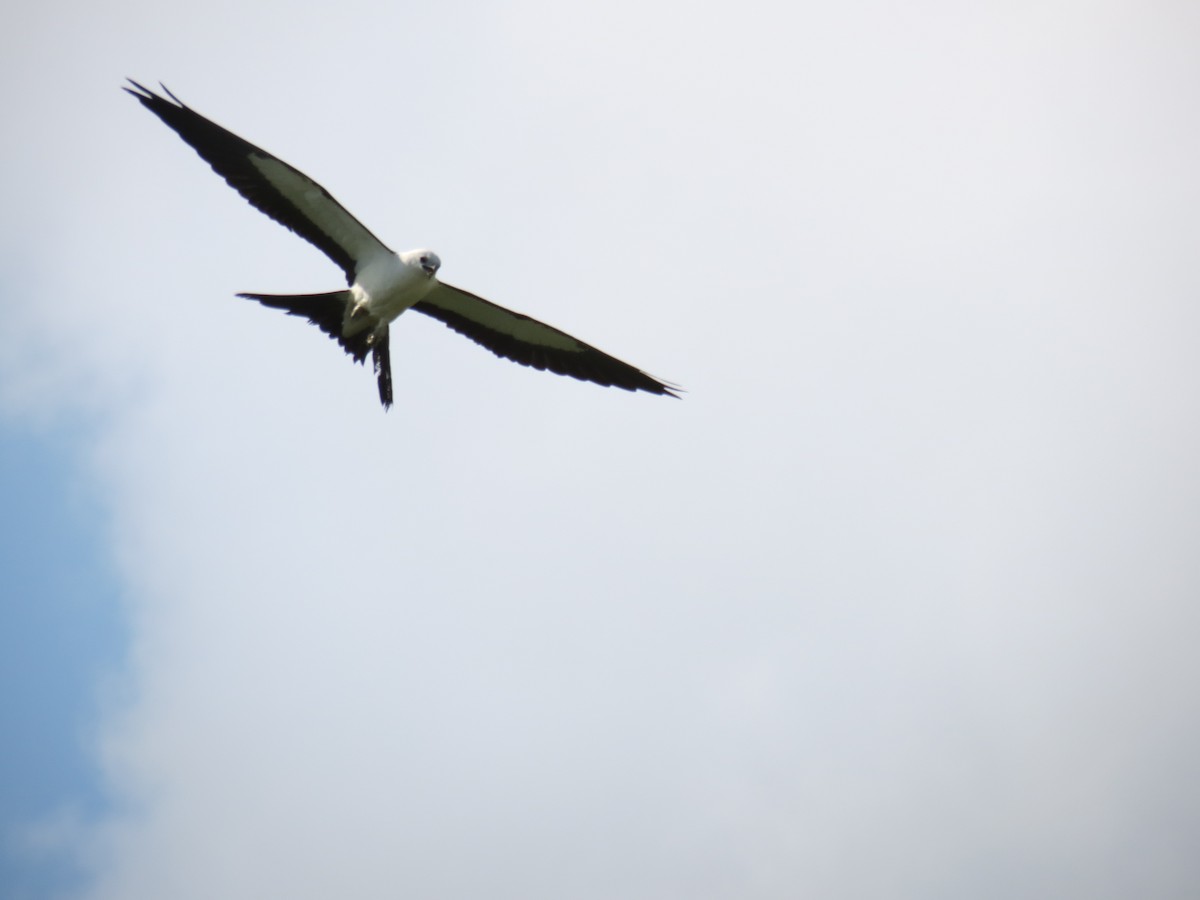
point(285, 194)
point(532, 343)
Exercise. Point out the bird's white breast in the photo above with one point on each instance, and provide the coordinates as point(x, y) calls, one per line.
point(387, 286)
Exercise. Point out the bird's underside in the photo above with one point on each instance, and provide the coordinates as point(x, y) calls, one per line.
point(382, 284)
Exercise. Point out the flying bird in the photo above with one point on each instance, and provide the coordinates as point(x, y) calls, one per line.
point(382, 283)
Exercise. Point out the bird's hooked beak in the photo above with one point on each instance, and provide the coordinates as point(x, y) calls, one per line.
point(429, 263)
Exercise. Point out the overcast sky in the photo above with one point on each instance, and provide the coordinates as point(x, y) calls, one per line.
point(899, 601)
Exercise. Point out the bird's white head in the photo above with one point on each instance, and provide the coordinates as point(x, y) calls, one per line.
point(426, 260)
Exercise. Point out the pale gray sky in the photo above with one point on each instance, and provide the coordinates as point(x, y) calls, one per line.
point(899, 601)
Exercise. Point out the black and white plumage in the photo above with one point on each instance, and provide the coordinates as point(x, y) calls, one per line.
point(382, 284)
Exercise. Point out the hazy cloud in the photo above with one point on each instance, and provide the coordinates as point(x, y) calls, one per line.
point(896, 602)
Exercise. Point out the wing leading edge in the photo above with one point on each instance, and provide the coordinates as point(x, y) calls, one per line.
point(273, 187)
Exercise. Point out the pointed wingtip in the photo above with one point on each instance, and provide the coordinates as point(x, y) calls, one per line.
point(148, 96)
point(167, 91)
point(660, 386)
point(667, 388)
point(145, 93)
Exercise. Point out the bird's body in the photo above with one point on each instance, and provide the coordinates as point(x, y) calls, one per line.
point(382, 284)
point(391, 283)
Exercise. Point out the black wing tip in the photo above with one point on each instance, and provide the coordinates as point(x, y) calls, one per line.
point(140, 92)
point(647, 383)
point(608, 371)
point(660, 386)
point(148, 97)
point(636, 381)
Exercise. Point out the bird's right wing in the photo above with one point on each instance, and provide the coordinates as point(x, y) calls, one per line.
point(284, 193)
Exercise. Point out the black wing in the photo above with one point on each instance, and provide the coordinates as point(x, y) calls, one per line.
point(285, 194)
point(532, 343)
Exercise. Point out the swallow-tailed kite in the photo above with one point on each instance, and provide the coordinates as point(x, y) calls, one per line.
point(383, 284)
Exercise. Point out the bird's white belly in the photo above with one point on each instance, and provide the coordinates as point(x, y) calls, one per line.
point(386, 287)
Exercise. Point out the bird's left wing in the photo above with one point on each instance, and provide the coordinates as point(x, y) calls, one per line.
point(532, 343)
point(285, 194)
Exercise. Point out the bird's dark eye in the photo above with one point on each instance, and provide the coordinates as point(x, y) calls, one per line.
point(424, 260)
